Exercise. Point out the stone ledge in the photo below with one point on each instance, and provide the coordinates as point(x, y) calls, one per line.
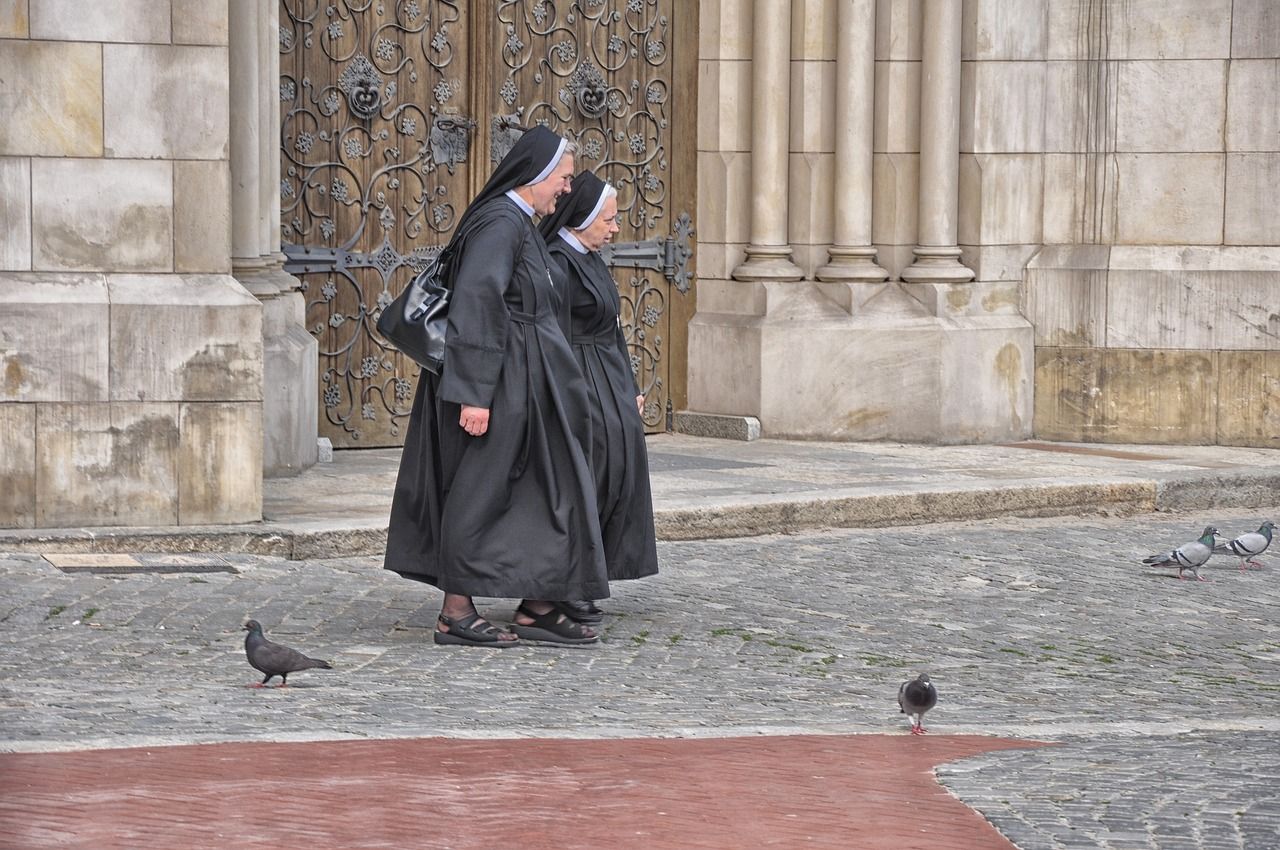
point(717, 425)
point(318, 539)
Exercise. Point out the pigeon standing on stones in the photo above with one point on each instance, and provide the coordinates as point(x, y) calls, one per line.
point(1248, 545)
point(915, 698)
point(274, 659)
point(1188, 556)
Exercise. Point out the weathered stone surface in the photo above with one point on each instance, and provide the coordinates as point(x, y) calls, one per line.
point(1249, 398)
point(898, 30)
point(106, 464)
point(1165, 199)
point(724, 183)
point(1170, 106)
point(289, 379)
point(1079, 198)
point(220, 463)
point(18, 465)
point(1193, 298)
point(812, 179)
point(727, 348)
point(1125, 395)
point(813, 30)
point(1252, 214)
point(996, 98)
point(985, 390)
point(1001, 199)
point(897, 123)
point(1141, 29)
point(136, 21)
point(992, 263)
point(102, 215)
point(724, 29)
point(895, 177)
point(51, 99)
point(717, 426)
point(1255, 29)
point(53, 339)
point(202, 216)
point(1065, 296)
point(812, 119)
point(203, 333)
point(165, 102)
point(724, 117)
point(1008, 30)
point(15, 214)
point(14, 20)
point(1252, 126)
point(200, 22)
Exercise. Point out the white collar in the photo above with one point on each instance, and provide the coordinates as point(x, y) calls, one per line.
point(520, 202)
point(573, 241)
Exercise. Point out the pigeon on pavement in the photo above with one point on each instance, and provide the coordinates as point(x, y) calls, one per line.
point(1246, 546)
point(1188, 556)
point(915, 698)
point(275, 659)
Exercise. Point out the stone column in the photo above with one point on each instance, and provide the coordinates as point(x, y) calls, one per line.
point(246, 153)
point(852, 256)
point(289, 398)
point(769, 254)
point(937, 255)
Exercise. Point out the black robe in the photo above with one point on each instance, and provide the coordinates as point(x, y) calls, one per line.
point(619, 458)
point(511, 513)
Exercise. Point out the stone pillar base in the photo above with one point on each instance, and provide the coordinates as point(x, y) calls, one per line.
point(852, 265)
point(129, 400)
point(937, 265)
point(768, 262)
point(807, 369)
point(290, 384)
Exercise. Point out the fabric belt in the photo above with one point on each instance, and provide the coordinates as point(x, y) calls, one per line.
point(604, 338)
point(523, 318)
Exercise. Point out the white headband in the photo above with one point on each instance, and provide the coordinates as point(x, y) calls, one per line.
point(608, 193)
point(555, 160)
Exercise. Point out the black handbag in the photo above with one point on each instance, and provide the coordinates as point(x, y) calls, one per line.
point(417, 320)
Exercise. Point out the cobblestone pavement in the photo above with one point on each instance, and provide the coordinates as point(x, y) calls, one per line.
point(1046, 629)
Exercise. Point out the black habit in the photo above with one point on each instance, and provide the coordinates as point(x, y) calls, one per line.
point(619, 458)
point(510, 513)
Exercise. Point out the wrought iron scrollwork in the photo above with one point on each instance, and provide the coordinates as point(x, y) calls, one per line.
point(368, 182)
point(600, 73)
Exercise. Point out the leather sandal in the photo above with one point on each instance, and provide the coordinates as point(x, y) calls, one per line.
point(463, 631)
point(581, 611)
point(552, 627)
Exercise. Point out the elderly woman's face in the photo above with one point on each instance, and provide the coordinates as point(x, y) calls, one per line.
point(544, 194)
point(594, 236)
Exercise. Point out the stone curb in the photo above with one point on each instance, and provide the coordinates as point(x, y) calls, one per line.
point(773, 514)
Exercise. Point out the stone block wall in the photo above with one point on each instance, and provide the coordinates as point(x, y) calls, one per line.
point(1120, 161)
point(131, 359)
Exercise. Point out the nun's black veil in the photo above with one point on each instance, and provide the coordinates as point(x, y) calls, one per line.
point(527, 159)
point(573, 208)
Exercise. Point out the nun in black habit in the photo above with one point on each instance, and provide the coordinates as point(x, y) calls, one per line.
point(495, 495)
point(584, 220)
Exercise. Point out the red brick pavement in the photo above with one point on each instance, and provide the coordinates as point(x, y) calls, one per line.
point(862, 792)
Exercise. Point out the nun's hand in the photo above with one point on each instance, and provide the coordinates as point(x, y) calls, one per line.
point(474, 420)
point(640, 404)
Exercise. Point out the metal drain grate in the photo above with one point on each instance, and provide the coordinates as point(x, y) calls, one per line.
point(128, 564)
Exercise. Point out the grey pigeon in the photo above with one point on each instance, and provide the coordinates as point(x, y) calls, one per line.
point(275, 659)
point(1247, 545)
point(1188, 556)
point(915, 698)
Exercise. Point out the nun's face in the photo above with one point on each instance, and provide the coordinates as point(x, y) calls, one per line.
point(544, 194)
point(594, 236)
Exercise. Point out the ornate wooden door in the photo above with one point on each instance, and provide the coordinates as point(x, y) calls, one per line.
point(394, 112)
